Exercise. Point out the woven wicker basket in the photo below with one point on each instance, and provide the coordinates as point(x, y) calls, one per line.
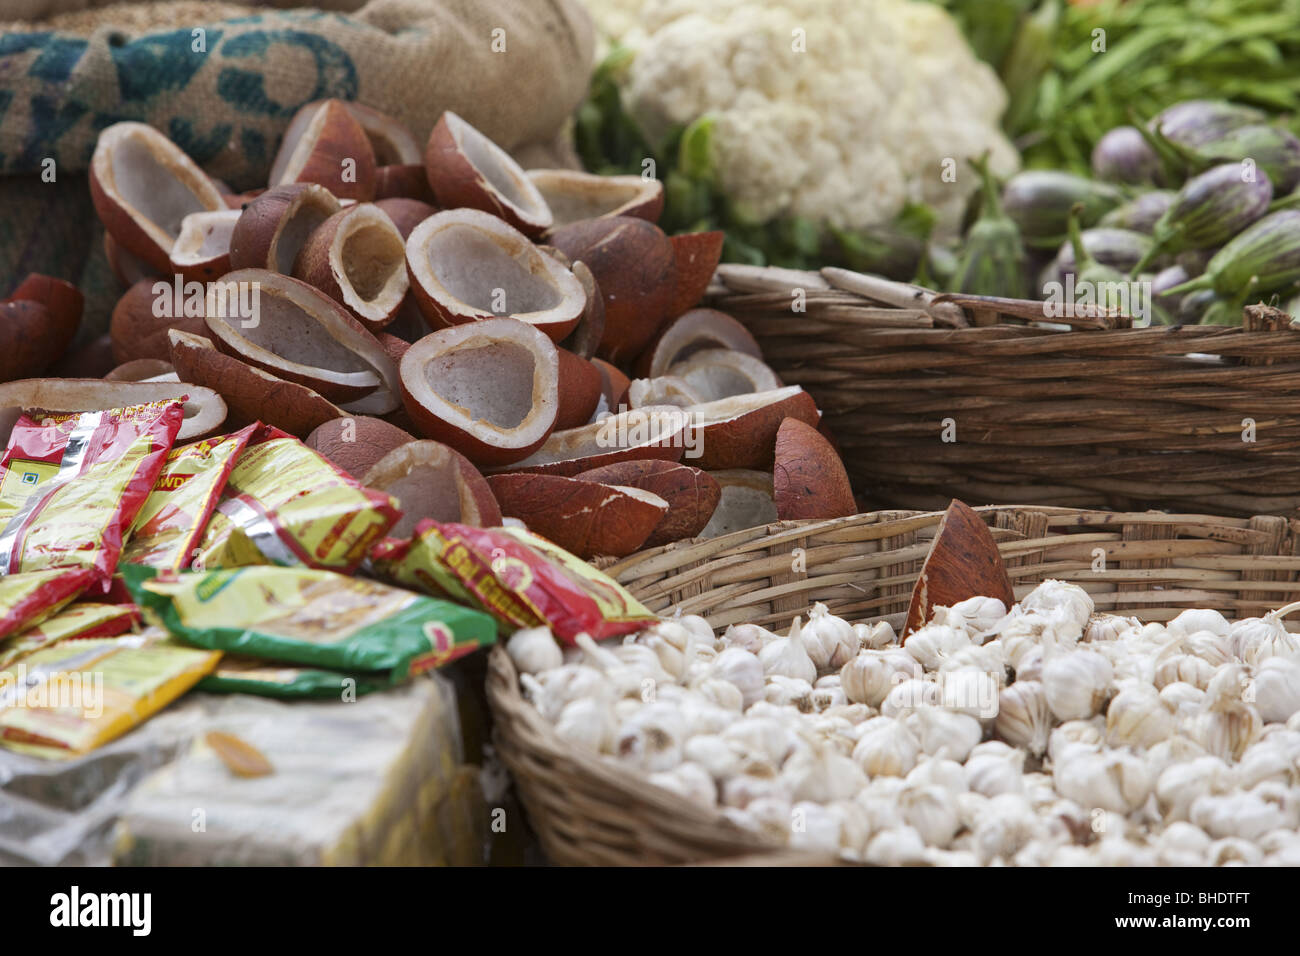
point(1152, 565)
point(933, 397)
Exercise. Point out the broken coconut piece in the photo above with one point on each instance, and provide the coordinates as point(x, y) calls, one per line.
point(141, 370)
point(740, 432)
point(488, 389)
point(692, 495)
point(466, 169)
point(466, 265)
point(137, 333)
point(745, 502)
point(250, 393)
point(664, 390)
point(722, 373)
point(275, 225)
point(963, 562)
point(809, 480)
point(328, 147)
point(634, 267)
point(299, 334)
point(432, 481)
point(403, 181)
point(201, 251)
point(696, 255)
point(659, 432)
point(37, 324)
point(580, 386)
point(573, 195)
point(358, 259)
point(614, 385)
point(692, 332)
point(204, 409)
point(585, 518)
point(585, 337)
point(143, 186)
point(356, 442)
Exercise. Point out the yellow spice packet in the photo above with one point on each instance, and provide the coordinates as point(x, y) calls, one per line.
point(81, 620)
point(66, 700)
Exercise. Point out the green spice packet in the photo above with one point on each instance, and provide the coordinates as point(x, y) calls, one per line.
point(313, 618)
point(248, 675)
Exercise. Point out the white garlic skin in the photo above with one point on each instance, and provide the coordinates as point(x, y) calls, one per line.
point(1182, 783)
point(690, 781)
point(787, 657)
point(943, 733)
point(533, 650)
point(1069, 600)
point(930, 810)
point(829, 640)
point(932, 643)
point(1024, 719)
point(1276, 689)
point(871, 675)
point(875, 636)
point(741, 669)
point(886, 748)
point(1139, 717)
point(910, 695)
point(714, 754)
point(587, 722)
point(1076, 683)
point(1199, 619)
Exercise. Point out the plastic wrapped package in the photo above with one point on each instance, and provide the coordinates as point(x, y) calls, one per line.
point(376, 781)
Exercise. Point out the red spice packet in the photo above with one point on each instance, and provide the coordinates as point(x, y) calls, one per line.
point(520, 578)
point(29, 598)
point(72, 484)
point(173, 517)
point(79, 621)
point(284, 504)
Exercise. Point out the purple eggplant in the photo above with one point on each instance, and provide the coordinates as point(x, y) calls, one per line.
point(1124, 156)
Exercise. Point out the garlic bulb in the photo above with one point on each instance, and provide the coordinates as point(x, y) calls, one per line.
point(1277, 688)
point(791, 691)
point(652, 738)
point(1071, 602)
point(1213, 648)
point(722, 692)
point(698, 626)
point(1139, 717)
point(938, 772)
point(749, 637)
point(971, 691)
point(931, 812)
point(671, 642)
point(1180, 784)
point(1182, 844)
point(1031, 664)
point(741, 669)
point(977, 616)
point(990, 658)
point(815, 827)
point(829, 640)
point(1077, 683)
point(1266, 761)
point(944, 733)
point(1024, 719)
point(886, 748)
point(932, 643)
point(993, 773)
point(1171, 750)
point(767, 737)
point(897, 846)
point(714, 754)
point(1004, 827)
point(587, 722)
point(1233, 851)
point(1108, 627)
point(875, 636)
point(551, 690)
point(853, 713)
point(690, 781)
point(787, 656)
point(1199, 619)
point(822, 776)
point(1239, 814)
point(824, 698)
point(1114, 780)
point(702, 715)
point(533, 650)
point(869, 677)
point(1088, 734)
point(745, 789)
point(1186, 699)
point(1228, 725)
point(1185, 668)
point(1257, 638)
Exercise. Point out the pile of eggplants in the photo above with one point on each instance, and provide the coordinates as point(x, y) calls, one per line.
point(1202, 201)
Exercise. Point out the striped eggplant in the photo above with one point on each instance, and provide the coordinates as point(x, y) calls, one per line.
point(1162, 282)
point(1193, 122)
point(1120, 249)
point(1039, 202)
point(1269, 149)
point(1124, 156)
point(992, 260)
point(1210, 209)
point(1141, 212)
point(1194, 305)
point(1264, 257)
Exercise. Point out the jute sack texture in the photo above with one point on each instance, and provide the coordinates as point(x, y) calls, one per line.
point(223, 81)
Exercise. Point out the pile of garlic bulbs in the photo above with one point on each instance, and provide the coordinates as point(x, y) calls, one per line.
point(1047, 735)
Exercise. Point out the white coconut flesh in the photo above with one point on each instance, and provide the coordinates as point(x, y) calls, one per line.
point(287, 336)
point(292, 137)
point(688, 336)
point(204, 236)
point(664, 390)
point(574, 196)
point(423, 489)
point(721, 373)
point(157, 184)
point(473, 268)
point(490, 383)
point(300, 222)
point(368, 258)
point(740, 507)
point(644, 427)
point(641, 494)
point(729, 409)
point(500, 172)
point(298, 148)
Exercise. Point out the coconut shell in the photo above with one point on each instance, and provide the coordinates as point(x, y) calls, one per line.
point(274, 226)
point(746, 502)
point(574, 195)
point(580, 386)
point(640, 434)
point(696, 255)
point(136, 333)
point(740, 432)
point(126, 268)
point(93, 360)
point(251, 394)
point(403, 181)
point(138, 370)
point(586, 518)
point(385, 248)
point(204, 408)
point(809, 480)
point(38, 322)
point(692, 495)
point(433, 481)
point(691, 332)
point(355, 443)
point(337, 137)
point(406, 214)
point(586, 335)
point(635, 267)
point(963, 562)
point(614, 385)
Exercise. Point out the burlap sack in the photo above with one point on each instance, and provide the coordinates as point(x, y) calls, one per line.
point(223, 80)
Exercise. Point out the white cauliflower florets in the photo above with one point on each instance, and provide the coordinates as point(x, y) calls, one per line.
point(845, 130)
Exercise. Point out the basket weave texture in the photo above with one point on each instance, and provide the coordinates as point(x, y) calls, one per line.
point(932, 397)
point(1151, 565)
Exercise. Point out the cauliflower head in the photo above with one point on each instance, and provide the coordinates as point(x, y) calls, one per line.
point(840, 111)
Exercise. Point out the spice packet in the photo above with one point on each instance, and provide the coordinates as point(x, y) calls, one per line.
point(248, 675)
point(68, 699)
point(284, 504)
point(172, 519)
point(72, 484)
point(311, 618)
point(520, 578)
point(75, 622)
point(32, 596)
